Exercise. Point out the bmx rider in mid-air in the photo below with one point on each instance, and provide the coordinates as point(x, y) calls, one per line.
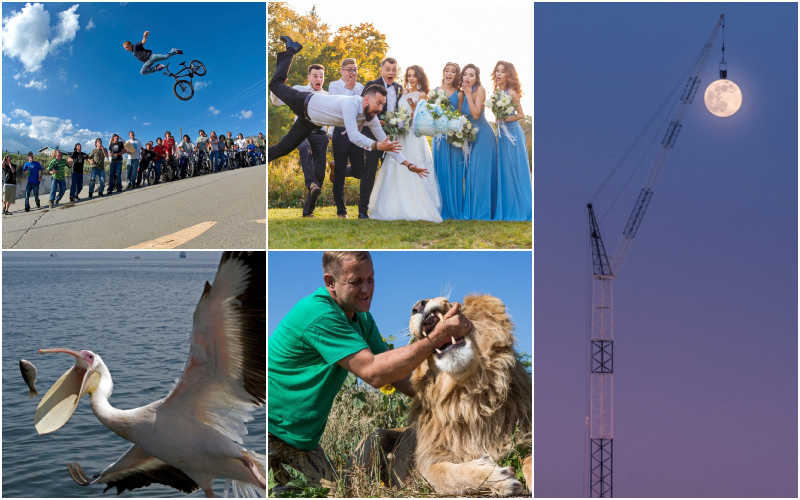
point(147, 56)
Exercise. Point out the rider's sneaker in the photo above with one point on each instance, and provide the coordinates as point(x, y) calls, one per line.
point(179, 52)
point(160, 67)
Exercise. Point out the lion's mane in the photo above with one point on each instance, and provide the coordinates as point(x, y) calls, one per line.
point(463, 419)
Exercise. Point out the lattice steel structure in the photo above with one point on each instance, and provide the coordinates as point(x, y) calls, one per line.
point(604, 270)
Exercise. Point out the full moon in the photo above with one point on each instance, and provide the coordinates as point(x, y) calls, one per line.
point(723, 98)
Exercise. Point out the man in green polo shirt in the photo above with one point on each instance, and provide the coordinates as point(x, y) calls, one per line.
point(57, 168)
point(325, 336)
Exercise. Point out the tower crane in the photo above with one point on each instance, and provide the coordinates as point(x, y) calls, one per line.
point(604, 270)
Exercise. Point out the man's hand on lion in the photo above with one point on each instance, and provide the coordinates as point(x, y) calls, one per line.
point(453, 325)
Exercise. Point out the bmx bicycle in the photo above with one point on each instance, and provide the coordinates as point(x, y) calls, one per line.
point(183, 89)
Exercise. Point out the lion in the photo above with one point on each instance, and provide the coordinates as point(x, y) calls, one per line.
point(471, 396)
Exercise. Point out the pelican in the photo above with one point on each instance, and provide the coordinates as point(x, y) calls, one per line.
point(192, 436)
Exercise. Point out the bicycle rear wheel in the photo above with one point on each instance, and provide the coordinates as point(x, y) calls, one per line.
point(150, 176)
point(198, 68)
point(183, 90)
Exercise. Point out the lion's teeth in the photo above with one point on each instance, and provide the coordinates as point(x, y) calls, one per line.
point(424, 334)
point(453, 339)
point(438, 351)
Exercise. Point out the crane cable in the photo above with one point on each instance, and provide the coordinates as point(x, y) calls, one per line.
point(647, 126)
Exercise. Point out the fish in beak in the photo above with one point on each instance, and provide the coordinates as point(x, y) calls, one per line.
point(60, 402)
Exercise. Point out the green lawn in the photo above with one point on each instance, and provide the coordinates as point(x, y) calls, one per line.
point(288, 229)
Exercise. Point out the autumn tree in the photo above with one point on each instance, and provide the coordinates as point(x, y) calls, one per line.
point(363, 43)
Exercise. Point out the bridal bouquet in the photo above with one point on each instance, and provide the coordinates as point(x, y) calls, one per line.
point(467, 133)
point(439, 105)
point(396, 122)
point(500, 104)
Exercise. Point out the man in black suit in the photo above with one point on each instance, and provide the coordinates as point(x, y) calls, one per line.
point(393, 91)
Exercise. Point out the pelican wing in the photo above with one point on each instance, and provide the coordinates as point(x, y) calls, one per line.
point(225, 375)
point(135, 469)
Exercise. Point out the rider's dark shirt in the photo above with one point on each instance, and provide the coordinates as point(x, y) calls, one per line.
point(141, 53)
point(147, 157)
point(77, 161)
point(116, 148)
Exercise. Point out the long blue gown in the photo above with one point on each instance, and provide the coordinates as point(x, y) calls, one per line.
point(480, 182)
point(514, 192)
point(448, 162)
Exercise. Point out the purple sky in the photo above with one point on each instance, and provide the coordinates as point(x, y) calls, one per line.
point(705, 305)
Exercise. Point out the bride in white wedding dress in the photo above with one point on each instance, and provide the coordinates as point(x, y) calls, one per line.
point(400, 194)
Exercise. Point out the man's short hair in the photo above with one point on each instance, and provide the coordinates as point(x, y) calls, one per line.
point(30, 153)
point(375, 89)
point(390, 60)
point(333, 261)
point(316, 66)
point(127, 43)
point(347, 61)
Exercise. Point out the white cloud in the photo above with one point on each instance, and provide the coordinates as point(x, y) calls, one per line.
point(74, 85)
point(90, 25)
point(26, 33)
point(146, 123)
point(214, 111)
point(134, 117)
point(35, 132)
point(200, 85)
point(62, 75)
point(16, 77)
point(243, 115)
point(37, 85)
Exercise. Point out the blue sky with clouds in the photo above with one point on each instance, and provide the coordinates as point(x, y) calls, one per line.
point(67, 78)
point(402, 278)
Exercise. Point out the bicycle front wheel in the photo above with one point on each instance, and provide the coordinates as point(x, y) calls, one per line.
point(183, 90)
point(150, 176)
point(198, 68)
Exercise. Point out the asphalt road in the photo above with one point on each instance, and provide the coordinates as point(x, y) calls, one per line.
point(225, 210)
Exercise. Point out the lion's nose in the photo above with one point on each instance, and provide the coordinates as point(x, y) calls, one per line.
point(419, 307)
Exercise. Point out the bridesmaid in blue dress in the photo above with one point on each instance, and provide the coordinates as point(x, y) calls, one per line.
point(514, 192)
point(448, 160)
point(480, 183)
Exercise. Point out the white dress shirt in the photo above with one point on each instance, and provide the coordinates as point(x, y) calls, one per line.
point(391, 96)
point(301, 88)
point(347, 112)
point(339, 88)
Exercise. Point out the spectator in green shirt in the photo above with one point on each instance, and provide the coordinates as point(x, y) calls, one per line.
point(325, 336)
point(57, 168)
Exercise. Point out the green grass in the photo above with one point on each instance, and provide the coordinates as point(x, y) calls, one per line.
point(289, 229)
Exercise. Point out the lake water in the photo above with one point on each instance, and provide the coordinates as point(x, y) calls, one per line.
point(136, 314)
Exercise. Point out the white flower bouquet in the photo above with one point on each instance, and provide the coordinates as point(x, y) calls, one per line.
point(466, 133)
point(397, 122)
point(501, 105)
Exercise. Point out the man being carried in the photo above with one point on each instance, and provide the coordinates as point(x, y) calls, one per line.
point(147, 56)
point(316, 110)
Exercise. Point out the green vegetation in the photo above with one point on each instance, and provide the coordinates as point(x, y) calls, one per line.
point(357, 411)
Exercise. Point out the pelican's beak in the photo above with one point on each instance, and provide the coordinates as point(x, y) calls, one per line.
point(60, 402)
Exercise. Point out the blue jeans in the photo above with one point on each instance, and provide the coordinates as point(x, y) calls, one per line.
point(133, 168)
point(214, 155)
point(157, 165)
point(115, 176)
point(31, 188)
point(76, 186)
point(61, 185)
point(148, 66)
point(97, 173)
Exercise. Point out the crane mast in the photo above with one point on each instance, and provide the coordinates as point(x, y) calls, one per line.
point(604, 270)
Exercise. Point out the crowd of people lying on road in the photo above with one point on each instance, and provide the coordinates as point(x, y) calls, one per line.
point(140, 157)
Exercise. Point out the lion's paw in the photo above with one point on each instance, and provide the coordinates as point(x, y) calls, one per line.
point(501, 480)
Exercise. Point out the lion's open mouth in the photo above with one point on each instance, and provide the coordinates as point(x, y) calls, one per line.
point(429, 322)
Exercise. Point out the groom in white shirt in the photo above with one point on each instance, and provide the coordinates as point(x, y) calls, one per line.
point(315, 110)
